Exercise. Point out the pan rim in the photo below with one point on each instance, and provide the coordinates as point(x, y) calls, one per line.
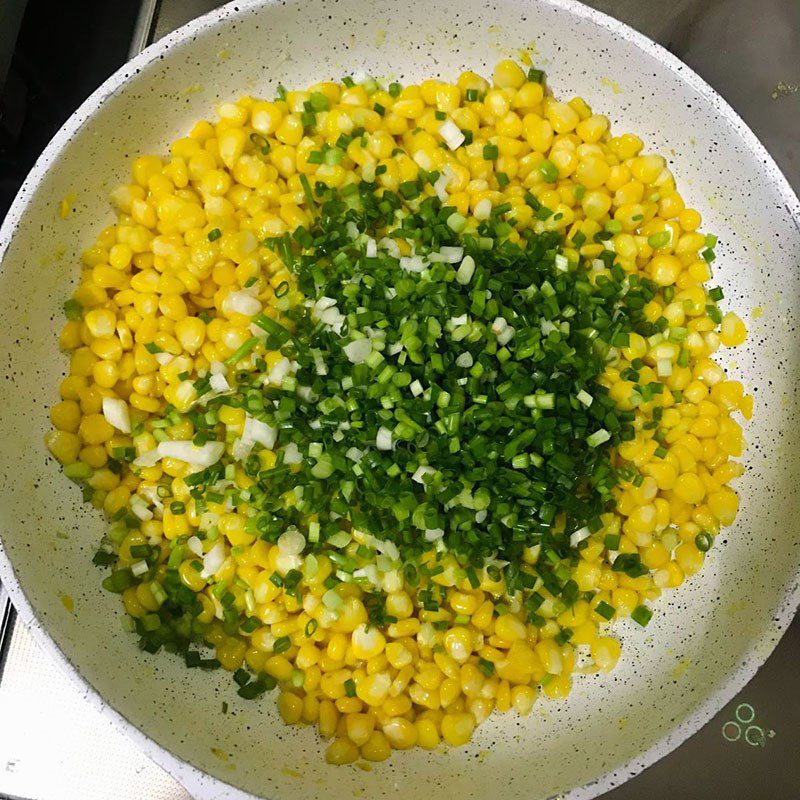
point(760, 648)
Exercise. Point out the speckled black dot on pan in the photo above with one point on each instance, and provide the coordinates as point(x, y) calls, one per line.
point(706, 639)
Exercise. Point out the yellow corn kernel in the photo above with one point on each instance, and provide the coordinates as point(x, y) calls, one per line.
point(482, 617)
point(465, 603)
point(449, 690)
point(66, 416)
point(397, 706)
point(376, 748)
point(191, 577)
point(689, 558)
point(290, 707)
point(732, 332)
point(605, 652)
point(459, 643)
point(175, 525)
point(328, 719)
point(647, 168)
point(508, 75)
point(457, 729)
point(374, 689)
point(592, 128)
point(101, 322)
point(624, 601)
point(279, 667)
point(595, 204)
point(360, 728)
point(341, 751)
point(230, 653)
point(398, 655)
point(522, 699)
point(510, 628)
point(723, 504)
point(557, 687)
point(337, 647)
point(472, 680)
point(429, 676)
point(689, 488)
point(427, 734)
point(95, 429)
point(562, 116)
point(401, 733)
point(550, 655)
point(311, 707)
point(367, 643)
point(231, 143)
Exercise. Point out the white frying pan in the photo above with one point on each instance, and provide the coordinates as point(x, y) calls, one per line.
point(706, 639)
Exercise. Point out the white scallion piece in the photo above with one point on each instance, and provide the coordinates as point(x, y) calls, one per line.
point(195, 545)
point(389, 246)
point(148, 459)
point(421, 472)
point(291, 542)
point(202, 457)
point(138, 568)
point(412, 263)
point(423, 160)
point(483, 209)
point(584, 397)
point(664, 367)
point(213, 560)
point(291, 454)
point(383, 441)
point(451, 134)
point(280, 371)
point(451, 255)
point(358, 350)
point(578, 536)
point(506, 335)
point(499, 325)
point(257, 431)
point(116, 412)
point(440, 187)
point(465, 270)
point(140, 508)
point(241, 303)
point(219, 383)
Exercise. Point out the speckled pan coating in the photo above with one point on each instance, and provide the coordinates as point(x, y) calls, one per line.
point(705, 641)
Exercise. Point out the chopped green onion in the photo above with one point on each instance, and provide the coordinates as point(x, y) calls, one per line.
point(703, 541)
point(242, 351)
point(661, 239)
point(548, 170)
point(73, 309)
point(605, 610)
